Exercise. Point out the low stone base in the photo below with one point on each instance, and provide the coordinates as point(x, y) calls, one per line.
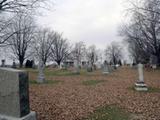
point(31, 116)
point(141, 87)
point(105, 72)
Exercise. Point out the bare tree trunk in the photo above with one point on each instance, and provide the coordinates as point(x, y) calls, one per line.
point(21, 60)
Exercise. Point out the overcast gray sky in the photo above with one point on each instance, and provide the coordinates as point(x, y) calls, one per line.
point(92, 21)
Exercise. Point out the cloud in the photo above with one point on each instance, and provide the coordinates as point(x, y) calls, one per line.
point(91, 21)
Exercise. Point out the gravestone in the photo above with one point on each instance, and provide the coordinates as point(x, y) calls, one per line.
point(3, 63)
point(41, 68)
point(14, 95)
point(14, 64)
point(76, 67)
point(89, 67)
point(140, 84)
point(153, 61)
point(105, 68)
point(110, 68)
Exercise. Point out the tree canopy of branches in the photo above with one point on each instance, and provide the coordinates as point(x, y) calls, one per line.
point(92, 55)
point(4, 33)
point(17, 5)
point(143, 31)
point(60, 49)
point(23, 29)
point(113, 53)
point(44, 39)
point(78, 51)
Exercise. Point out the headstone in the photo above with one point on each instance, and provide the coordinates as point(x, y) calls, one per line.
point(111, 68)
point(14, 95)
point(76, 67)
point(3, 63)
point(105, 68)
point(41, 76)
point(34, 65)
point(153, 61)
point(140, 85)
point(89, 67)
point(29, 64)
point(14, 64)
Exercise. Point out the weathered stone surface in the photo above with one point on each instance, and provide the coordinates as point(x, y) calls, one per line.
point(41, 68)
point(105, 68)
point(30, 116)
point(140, 85)
point(14, 94)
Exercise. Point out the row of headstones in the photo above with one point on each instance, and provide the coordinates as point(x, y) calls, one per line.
point(106, 68)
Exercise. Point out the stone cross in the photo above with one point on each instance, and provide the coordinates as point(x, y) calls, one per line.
point(14, 95)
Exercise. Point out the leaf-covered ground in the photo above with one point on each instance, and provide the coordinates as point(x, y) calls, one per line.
point(75, 97)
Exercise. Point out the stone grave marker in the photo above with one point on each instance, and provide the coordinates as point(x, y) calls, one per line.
point(89, 67)
point(153, 61)
point(105, 68)
point(3, 63)
point(41, 68)
point(14, 64)
point(76, 67)
point(14, 95)
point(140, 84)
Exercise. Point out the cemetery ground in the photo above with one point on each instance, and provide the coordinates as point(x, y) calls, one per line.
point(94, 96)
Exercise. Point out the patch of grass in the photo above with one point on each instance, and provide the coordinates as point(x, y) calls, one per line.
point(92, 82)
point(61, 72)
point(46, 82)
point(150, 89)
point(109, 113)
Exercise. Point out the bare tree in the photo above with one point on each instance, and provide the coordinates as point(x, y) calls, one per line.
point(5, 23)
point(60, 49)
point(20, 42)
point(143, 31)
point(18, 5)
point(78, 53)
point(44, 39)
point(92, 56)
point(113, 53)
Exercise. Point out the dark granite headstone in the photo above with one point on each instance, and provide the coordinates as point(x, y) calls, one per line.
point(3, 63)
